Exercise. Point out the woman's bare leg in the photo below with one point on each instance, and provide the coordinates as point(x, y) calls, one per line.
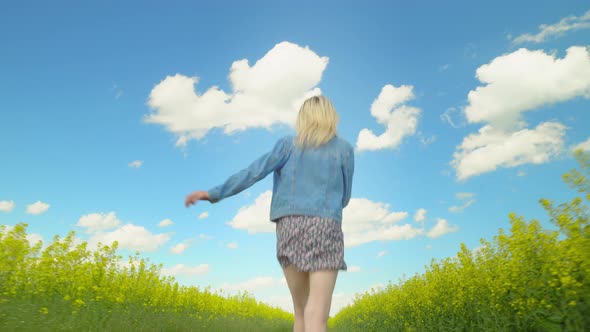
point(298, 283)
point(317, 309)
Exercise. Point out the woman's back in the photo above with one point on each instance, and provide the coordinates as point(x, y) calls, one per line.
point(313, 181)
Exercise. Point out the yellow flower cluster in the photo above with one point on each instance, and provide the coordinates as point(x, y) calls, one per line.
point(67, 279)
point(532, 279)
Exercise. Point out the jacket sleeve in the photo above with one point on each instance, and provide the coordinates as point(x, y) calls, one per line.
point(347, 173)
point(257, 171)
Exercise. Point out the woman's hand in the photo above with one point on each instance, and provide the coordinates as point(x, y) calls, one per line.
point(195, 196)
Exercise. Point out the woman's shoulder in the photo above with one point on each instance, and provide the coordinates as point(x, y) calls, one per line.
point(345, 145)
point(287, 139)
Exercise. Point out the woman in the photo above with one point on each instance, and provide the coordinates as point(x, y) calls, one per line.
point(312, 184)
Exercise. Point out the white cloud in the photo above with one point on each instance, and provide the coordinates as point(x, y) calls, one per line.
point(382, 253)
point(570, 23)
point(420, 215)
point(426, 141)
point(255, 218)
point(136, 164)
point(354, 268)
point(464, 195)
point(6, 206)
point(460, 208)
point(179, 248)
point(94, 222)
point(389, 233)
point(280, 301)
point(363, 221)
point(468, 201)
point(491, 148)
point(478, 250)
point(232, 245)
point(454, 117)
point(37, 208)
point(33, 238)
point(267, 93)
point(367, 221)
point(377, 287)
point(254, 284)
point(515, 83)
point(204, 215)
point(130, 237)
point(389, 110)
point(584, 146)
point(165, 222)
point(128, 262)
point(341, 300)
point(525, 80)
point(186, 271)
point(441, 228)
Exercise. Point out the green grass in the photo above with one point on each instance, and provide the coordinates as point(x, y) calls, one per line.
point(60, 315)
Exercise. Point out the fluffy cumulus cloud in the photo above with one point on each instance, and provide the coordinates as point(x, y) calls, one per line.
point(441, 228)
point(181, 270)
point(131, 237)
point(584, 145)
point(363, 221)
point(94, 222)
point(204, 215)
point(179, 248)
point(390, 111)
point(165, 223)
point(366, 221)
point(420, 215)
point(515, 83)
point(266, 93)
point(566, 24)
point(255, 218)
point(106, 228)
point(525, 80)
point(492, 148)
point(6, 206)
point(37, 208)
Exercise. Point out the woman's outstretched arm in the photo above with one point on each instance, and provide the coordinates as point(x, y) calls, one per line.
point(245, 178)
point(195, 196)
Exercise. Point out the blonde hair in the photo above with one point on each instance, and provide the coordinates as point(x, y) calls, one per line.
point(316, 122)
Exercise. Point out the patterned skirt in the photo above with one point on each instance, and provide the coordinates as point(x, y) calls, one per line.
point(310, 243)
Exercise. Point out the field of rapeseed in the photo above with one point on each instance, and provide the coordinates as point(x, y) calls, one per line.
point(530, 279)
point(66, 287)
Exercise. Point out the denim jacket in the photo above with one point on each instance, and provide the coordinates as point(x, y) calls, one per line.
point(313, 181)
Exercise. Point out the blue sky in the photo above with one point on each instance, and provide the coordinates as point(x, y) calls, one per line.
point(460, 113)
